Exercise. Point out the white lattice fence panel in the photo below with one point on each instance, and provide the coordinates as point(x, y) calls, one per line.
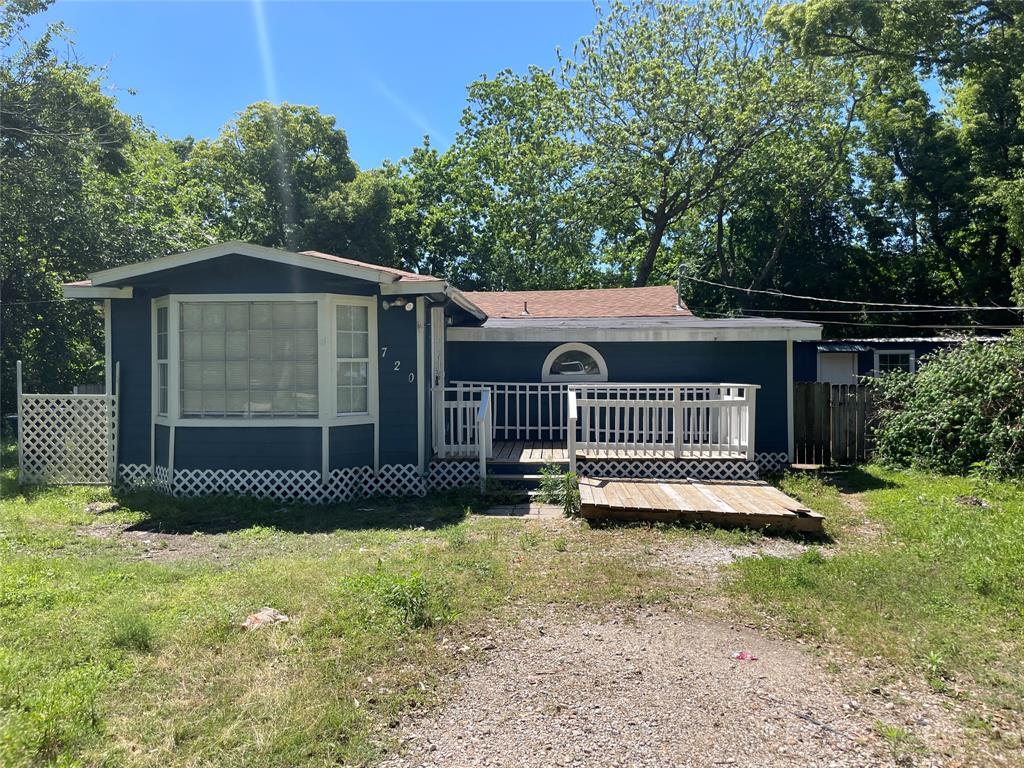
point(396, 480)
point(134, 476)
point(67, 438)
point(710, 469)
point(772, 462)
point(445, 475)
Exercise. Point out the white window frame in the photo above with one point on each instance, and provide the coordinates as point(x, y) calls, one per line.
point(327, 373)
point(908, 352)
point(158, 304)
point(573, 346)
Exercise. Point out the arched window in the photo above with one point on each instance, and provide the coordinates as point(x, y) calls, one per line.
point(574, 362)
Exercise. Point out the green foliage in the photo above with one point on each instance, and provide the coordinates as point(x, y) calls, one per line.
point(130, 630)
point(410, 601)
point(963, 411)
point(940, 590)
point(560, 487)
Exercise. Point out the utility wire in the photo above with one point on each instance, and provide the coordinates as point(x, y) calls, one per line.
point(725, 315)
point(949, 307)
point(852, 311)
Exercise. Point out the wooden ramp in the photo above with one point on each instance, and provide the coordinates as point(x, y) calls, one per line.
point(732, 503)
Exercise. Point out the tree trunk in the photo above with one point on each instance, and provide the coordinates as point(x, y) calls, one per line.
point(646, 266)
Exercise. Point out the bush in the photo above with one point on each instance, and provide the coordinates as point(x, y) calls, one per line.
point(561, 488)
point(963, 408)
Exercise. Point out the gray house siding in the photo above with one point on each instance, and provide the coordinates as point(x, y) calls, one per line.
point(741, 362)
point(130, 346)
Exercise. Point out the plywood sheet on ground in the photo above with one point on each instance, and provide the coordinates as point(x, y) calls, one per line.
point(736, 503)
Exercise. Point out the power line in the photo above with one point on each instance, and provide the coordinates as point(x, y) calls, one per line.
point(854, 311)
point(950, 307)
point(892, 325)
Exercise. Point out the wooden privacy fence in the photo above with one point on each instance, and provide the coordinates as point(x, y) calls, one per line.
point(832, 423)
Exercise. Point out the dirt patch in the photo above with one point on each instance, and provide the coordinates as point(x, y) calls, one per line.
point(660, 689)
point(151, 545)
point(707, 558)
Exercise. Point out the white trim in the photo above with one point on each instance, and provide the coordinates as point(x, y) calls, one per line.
point(790, 436)
point(913, 359)
point(413, 288)
point(421, 356)
point(108, 357)
point(325, 454)
point(235, 247)
point(437, 375)
point(72, 291)
point(709, 332)
point(547, 377)
point(327, 415)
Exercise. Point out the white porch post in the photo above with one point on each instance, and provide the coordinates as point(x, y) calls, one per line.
point(751, 397)
point(21, 425)
point(107, 349)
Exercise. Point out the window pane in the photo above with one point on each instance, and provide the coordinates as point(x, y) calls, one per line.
point(213, 316)
point(191, 317)
point(305, 316)
point(345, 345)
point(161, 320)
point(161, 346)
point(574, 363)
point(246, 359)
point(191, 345)
point(359, 400)
point(361, 345)
point(237, 317)
point(238, 345)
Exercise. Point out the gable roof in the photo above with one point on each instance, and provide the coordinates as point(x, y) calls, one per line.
point(400, 274)
point(650, 301)
point(308, 259)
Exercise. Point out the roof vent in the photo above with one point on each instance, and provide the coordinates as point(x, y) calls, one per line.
point(526, 310)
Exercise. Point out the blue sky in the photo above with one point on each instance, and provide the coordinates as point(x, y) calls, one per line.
point(388, 71)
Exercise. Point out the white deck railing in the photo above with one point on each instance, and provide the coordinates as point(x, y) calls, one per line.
point(704, 421)
point(465, 429)
point(525, 411)
point(716, 420)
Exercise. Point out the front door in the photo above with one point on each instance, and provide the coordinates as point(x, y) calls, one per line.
point(837, 367)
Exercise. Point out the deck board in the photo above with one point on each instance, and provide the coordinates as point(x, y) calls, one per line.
point(740, 503)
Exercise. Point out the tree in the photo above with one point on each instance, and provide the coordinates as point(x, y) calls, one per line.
point(83, 189)
point(266, 172)
point(943, 181)
point(670, 98)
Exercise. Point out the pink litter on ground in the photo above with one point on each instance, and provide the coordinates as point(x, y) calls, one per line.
point(743, 656)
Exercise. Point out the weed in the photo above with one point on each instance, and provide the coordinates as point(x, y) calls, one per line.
point(901, 743)
point(560, 487)
point(130, 630)
point(560, 543)
point(457, 538)
point(410, 599)
point(529, 539)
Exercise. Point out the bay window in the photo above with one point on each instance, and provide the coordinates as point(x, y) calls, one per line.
point(282, 361)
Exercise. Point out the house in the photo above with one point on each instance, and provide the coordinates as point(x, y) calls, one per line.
point(847, 361)
point(239, 368)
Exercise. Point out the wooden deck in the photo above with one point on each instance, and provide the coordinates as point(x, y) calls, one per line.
point(543, 451)
point(737, 503)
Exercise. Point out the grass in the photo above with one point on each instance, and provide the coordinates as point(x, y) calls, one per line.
point(116, 653)
point(120, 654)
point(928, 582)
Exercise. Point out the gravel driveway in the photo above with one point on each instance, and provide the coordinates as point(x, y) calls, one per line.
point(660, 689)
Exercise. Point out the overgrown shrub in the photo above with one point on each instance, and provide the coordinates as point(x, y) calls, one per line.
point(964, 407)
point(560, 487)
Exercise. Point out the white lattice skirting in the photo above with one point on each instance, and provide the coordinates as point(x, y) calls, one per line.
point(703, 469)
point(304, 485)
